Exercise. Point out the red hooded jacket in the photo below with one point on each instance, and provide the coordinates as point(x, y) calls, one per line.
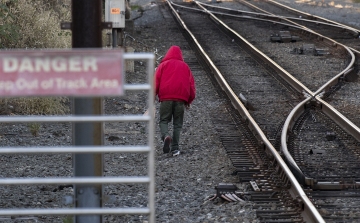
point(173, 78)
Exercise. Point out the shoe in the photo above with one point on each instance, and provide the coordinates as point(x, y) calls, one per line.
point(176, 152)
point(167, 142)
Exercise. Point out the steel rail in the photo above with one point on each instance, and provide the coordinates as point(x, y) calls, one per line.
point(330, 42)
point(314, 16)
point(334, 115)
point(261, 10)
point(255, 128)
point(277, 17)
point(333, 81)
point(341, 120)
point(326, 40)
point(357, 32)
point(331, 112)
point(309, 208)
point(284, 74)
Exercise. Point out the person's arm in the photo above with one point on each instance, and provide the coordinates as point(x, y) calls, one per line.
point(192, 89)
point(157, 81)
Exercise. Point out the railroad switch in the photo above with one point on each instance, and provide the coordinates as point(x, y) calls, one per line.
point(310, 49)
point(284, 37)
point(224, 188)
point(226, 192)
point(254, 186)
point(321, 52)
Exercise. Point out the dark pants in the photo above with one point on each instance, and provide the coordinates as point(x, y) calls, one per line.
point(171, 110)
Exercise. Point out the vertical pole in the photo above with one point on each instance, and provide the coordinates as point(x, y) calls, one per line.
point(151, 158)
point(114, 38)
point(86, 33)
point(117, 37)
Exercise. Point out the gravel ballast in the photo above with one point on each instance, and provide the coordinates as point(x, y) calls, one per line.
point(183, 183)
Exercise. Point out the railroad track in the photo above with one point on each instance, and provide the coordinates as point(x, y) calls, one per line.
point(340, 32)
point(260, 132)
point(269, 92)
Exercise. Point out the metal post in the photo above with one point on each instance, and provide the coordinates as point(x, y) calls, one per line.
point(117, 37)
point(114, 38)
point(86, 33)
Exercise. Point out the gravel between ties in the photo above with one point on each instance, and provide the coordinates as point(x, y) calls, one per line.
point(183, 183)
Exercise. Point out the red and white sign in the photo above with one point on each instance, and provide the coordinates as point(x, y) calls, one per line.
point(76, 72)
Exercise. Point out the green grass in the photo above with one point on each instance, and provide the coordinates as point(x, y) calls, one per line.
point(68, 219)
point(34, 128)
point(136, 8)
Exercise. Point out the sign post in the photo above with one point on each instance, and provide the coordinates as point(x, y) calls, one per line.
point(86, 33)
point(86, 73)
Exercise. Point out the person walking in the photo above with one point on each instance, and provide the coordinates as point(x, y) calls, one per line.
point(175, 88)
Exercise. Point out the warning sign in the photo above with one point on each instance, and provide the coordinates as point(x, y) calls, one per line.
point(115, 10)
point(87, 72)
